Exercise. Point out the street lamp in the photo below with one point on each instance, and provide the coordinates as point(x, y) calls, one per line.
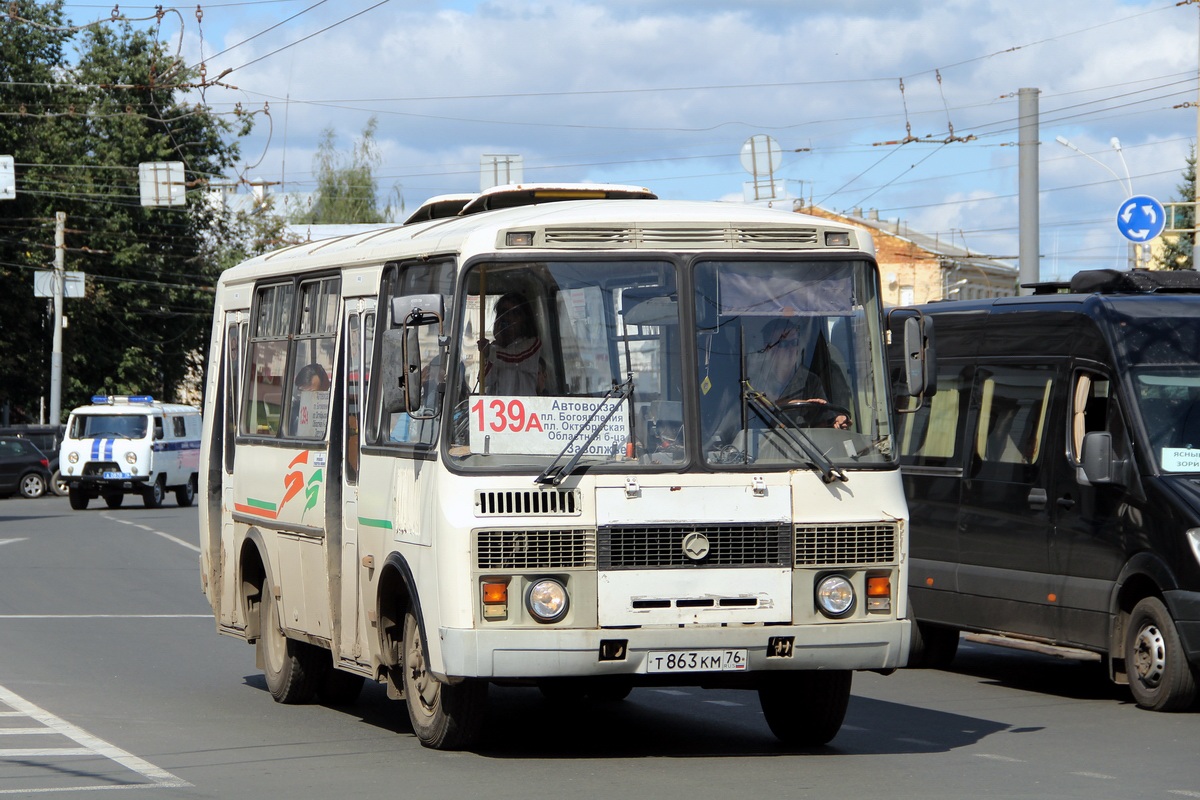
point(1134, 250)
point(1116, 146)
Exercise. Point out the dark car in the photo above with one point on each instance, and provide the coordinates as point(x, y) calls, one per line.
point(23, 468)
point(47, 438)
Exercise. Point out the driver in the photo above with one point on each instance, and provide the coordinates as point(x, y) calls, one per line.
point(779, 372)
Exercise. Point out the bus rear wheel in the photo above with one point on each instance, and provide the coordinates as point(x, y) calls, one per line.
point(290, 667)
point(1160, 677)
point(806, 709)
point(114, 499)
point(444, 716)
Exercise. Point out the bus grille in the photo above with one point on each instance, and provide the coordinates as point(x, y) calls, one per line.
point(846, 545)
point(525, 502)
point(553, 549)
point(729, 545)
point(719, 236)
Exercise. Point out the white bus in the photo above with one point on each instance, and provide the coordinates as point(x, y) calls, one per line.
point(535, 443)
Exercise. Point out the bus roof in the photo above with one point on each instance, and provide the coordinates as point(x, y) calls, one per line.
point(601, 225)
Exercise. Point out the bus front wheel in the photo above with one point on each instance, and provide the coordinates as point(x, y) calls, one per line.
point(290, 667)
point(444, 716)
point(806, 709)
point(1160, 677)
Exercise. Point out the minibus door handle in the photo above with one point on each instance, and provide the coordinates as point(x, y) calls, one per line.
point(1037, 499)
point(1066, 502)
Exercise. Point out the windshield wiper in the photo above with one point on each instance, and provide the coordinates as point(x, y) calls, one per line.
point(554, 474)
point(770, 414)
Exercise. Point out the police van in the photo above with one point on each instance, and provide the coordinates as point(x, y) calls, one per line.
point(130, 444)
point(1053, 481)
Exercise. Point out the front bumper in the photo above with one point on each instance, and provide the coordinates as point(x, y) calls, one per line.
point(545, 653)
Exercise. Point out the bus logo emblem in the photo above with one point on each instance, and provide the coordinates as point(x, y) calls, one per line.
point(696, 546)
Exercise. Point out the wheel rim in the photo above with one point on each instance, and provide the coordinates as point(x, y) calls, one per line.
point(418, 682)
point(1150, 656)
point(32, 486)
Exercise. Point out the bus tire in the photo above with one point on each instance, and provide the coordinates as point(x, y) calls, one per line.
point(78, 498)
point(805, 709)
point(443, 716)
point(114, 499)
point(152, 495)
point(186, 495)
point(1160, 677)
point(290, 667)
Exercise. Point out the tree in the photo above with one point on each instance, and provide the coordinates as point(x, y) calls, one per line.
point(84, 125)
point(346, 192)
point(1177, 248)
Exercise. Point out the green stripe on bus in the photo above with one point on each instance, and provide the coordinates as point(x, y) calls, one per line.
point(375, 523)
point(250, 501)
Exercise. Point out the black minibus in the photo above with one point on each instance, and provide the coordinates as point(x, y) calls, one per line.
point(1053, 480)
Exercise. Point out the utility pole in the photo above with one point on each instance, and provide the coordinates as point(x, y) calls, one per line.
point(60, 246)
point(1027, 187)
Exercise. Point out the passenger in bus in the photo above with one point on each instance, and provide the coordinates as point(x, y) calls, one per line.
point(511, 361)
point(312, 378)
point(779, 372)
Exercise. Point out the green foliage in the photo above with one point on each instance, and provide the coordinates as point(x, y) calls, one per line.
point(1177, 248)
point(346, 186)
point(90, 106)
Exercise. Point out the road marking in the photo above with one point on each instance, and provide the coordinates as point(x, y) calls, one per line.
point(673, 692)
point(1183, 792)
point(918, 742)
point(89, 745)
point(10, 541)
point(994, 757)
point(148, 529)
point(724, 703)
point(1099, 775)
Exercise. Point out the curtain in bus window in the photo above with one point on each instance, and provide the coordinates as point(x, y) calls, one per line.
point(354, 395)
point(929, 437)
point(1013, 415)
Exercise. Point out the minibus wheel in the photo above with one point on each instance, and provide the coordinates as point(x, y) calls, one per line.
point(805, 709)
point(1160, 677)
point(78, 497)
point(290, 667)
point(185, 495)
point(444, 716)
point(114, 499)
point(152, 495)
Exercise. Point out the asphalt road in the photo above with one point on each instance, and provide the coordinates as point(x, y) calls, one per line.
point(113, 679)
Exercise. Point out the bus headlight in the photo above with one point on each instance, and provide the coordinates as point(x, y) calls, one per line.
point(131, 457)
point(546, 600)
point(835, 596)
point(73, 457)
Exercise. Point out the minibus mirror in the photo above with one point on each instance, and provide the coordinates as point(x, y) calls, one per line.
point(920, 369)
point(401, 373)
point(1099, 464)
point(411, 347)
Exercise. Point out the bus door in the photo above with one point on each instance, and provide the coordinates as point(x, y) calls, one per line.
point(233, 355)
point(359, 327)
point(1006, 520)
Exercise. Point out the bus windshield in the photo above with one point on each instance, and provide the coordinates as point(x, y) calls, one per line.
point(584, 360)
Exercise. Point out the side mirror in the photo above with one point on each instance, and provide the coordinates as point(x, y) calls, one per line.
point(401, 371)
point(920, 360)
point(1100, 466)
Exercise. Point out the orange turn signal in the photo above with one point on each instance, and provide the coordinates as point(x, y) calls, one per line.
point(494, 592)
point(879, 586)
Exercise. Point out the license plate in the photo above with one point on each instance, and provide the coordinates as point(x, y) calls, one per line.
point(696, 661)
point(116, 476)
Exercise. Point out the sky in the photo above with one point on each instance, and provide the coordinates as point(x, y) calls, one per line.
point(908, 109)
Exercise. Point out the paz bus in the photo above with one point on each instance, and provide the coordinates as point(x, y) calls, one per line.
point(400, 483)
